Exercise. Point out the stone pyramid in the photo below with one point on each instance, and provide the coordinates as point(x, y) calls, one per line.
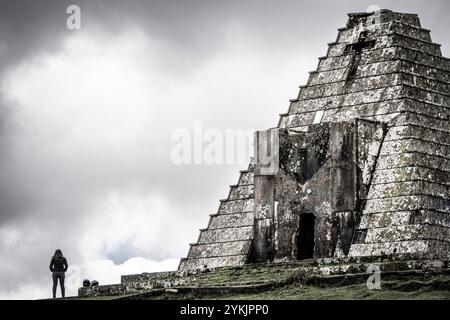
point(362, 158)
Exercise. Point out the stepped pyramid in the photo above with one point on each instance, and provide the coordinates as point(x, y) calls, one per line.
point(360, 163)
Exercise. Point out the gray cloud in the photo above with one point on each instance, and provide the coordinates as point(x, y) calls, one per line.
point(69, 180)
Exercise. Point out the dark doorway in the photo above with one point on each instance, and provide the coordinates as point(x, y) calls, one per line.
point(305, 238)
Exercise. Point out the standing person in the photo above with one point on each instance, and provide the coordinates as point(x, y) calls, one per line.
point(58, 267)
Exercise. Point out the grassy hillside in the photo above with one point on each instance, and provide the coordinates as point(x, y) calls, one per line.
point(435, 288)
point(295, 281)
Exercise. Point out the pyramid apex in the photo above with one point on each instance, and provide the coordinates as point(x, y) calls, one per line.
point(369, 12)
point(375, 16)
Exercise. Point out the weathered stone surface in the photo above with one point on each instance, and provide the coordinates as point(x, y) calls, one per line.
point(426, 71)
point(435, 114)
point(427, 96)
point(241, 192)
point(236, 206)
point(246, 178)
point(413, 75)
point(147, 276)
point(387, 191)
point(226, 234)
point(390, 27)
point(426, 84)
point(396, 189)
point(438, 249)
point(411, 174)
point(385, 219)
point(358, 85)
point(416, 118)
point(105, 290)
point(231, 220)
point(422, 58)
point(407, 232)
point(213, 262)
point(317, 181)
point(411, 159)
point(350, 99)
point(416, 44)
point(418, 133)
point(219, 249)
point(403, 203)
point(385, 111)
point(415, 145)
point(377, 69)
point(370, 137)
point(390, 40)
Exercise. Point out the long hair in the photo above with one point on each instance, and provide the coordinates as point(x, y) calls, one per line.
point(58, 254)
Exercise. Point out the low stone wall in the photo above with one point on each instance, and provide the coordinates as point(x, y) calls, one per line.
point(106, 290)
point(147, 276)
point(268, 275)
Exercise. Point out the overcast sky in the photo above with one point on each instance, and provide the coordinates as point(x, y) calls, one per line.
point(86, 118)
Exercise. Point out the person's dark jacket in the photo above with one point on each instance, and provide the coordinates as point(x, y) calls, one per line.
point(58, 264)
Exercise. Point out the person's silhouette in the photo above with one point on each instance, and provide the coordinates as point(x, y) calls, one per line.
point(58, 267)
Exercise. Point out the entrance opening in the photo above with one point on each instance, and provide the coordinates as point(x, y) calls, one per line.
point(305, 238)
